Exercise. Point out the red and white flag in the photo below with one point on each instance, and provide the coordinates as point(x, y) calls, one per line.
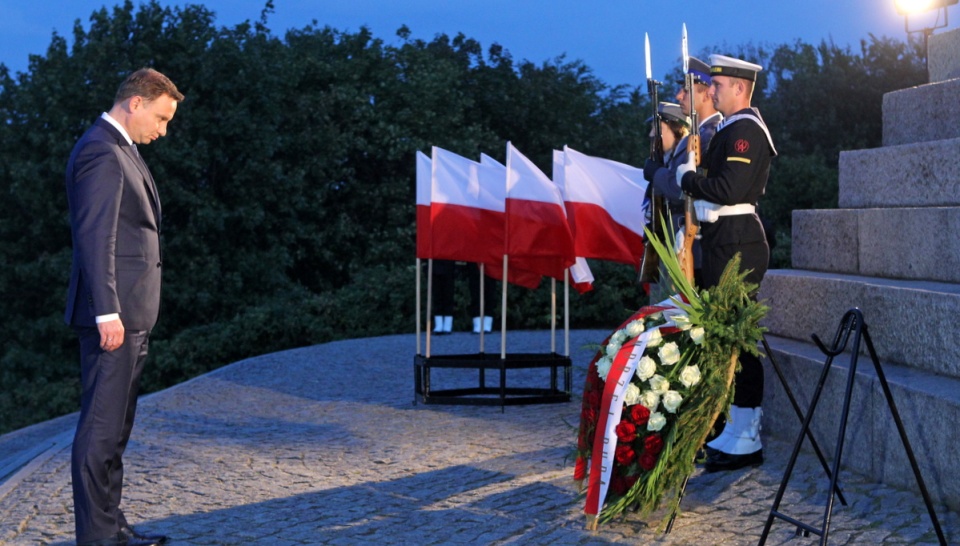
point(603, 199)
point(423, 206)
point(580, 272)
point(538, 237)
point(493, 175)
point(466, 217)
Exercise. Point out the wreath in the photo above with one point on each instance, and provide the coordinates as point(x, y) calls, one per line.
point(655, 388)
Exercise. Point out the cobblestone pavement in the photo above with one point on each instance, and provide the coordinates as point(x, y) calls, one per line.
point(324, 445)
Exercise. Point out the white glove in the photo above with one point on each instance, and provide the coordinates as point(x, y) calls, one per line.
point(684, 168)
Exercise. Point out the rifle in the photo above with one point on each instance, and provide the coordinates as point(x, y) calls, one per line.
point(690, 224)
point(650, 266)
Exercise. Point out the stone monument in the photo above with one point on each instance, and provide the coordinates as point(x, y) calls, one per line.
point(891, 249)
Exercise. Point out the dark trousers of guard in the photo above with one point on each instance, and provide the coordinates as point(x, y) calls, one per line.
point(110, 381)
point(737, 443)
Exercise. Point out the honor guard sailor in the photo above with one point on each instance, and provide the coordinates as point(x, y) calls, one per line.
point(674, 129)
point(663, 175)
point(735, 170)
point(700, 102)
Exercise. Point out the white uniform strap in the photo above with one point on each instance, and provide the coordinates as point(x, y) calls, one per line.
point(754, 116)
point(711, 212)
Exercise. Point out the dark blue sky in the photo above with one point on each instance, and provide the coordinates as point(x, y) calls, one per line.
point(607, 35)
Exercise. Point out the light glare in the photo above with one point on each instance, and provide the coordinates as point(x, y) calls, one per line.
point(906, 7)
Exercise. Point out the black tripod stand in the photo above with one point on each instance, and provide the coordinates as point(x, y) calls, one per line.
point(851, 325)
point(799, 412)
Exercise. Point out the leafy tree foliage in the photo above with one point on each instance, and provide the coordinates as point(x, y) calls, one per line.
point(288, 176)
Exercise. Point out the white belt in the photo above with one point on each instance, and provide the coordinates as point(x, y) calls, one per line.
point(711, 212)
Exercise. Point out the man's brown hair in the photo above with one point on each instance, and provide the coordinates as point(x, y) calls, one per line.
point(149, 84)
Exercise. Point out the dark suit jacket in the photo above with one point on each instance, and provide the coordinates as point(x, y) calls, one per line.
point(115, 222)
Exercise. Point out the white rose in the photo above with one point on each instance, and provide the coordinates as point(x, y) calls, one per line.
point(655, 338)
point(671, 401)
point(690, 376)
point(669, 354)
point(656, 422)
point(632, 395)
point(682, 320)
point(646, 368)
point(650, 400)
point(613, 348)
point(659, 384)
point(603, 367)
point(618, 337)
point(635, 328)
point(696, 334)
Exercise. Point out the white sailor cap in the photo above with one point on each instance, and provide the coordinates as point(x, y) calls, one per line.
point(721, 65)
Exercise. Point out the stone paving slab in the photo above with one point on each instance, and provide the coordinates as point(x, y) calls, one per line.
point(323, 445)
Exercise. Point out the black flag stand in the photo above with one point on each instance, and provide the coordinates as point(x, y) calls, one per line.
point(851, 324)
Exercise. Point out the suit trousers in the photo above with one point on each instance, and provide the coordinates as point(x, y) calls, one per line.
point(108, 404)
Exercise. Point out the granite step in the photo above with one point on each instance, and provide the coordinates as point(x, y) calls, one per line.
point(908, 175)
point(901, 243)
point(921, 114)
point(911, 322)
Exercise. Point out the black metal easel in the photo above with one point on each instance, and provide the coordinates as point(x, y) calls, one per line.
point(851, 324)
point(799, 412)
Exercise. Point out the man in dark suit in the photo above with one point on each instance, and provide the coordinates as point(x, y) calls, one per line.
point(114, 294)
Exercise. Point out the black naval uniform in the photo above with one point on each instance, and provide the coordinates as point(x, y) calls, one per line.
point(736, 167)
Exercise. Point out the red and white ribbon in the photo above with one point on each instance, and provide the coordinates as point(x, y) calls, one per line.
point(611, 406)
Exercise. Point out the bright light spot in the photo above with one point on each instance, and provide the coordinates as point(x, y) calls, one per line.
point(918, 6)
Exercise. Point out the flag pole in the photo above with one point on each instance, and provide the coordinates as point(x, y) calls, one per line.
point(417, 320)
point(482, 296)
point(503, 312)
point(429, 301)
point(566, 312)
point(553, 315)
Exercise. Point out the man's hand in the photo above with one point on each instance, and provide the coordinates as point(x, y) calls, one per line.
point(111, 334)
point(684, 168)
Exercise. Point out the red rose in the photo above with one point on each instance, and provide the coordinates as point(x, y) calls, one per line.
point(592, 399)
point(620, 485)
point(580, 469)
point(593, 376)
point(647, 460)
point(639, 414)
point(625, 454)
point(653, 444)
point(626, 431)
point(588, 415)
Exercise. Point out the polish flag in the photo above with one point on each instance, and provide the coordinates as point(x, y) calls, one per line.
point(466, 217)
point(603, 200)
point(493, 175)
point(538, 236)
point(580, 272)
point(423, 206)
